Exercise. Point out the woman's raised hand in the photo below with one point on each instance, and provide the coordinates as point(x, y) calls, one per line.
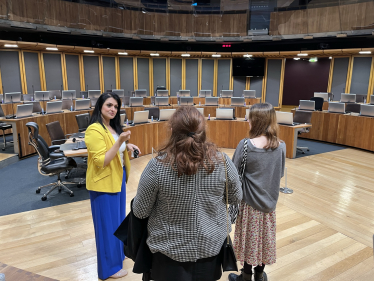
point(125, 136)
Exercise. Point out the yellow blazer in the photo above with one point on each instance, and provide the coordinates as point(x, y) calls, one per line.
point(99, 178)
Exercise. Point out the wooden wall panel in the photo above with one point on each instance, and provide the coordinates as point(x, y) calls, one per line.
point(31, 11)
point(291, 22)
point(323, 20)
point(3, 9)
point(62, 13)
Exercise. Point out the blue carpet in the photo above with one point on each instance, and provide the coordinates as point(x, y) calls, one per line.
point(317, 147)
point(9, 146)
point(19, 182)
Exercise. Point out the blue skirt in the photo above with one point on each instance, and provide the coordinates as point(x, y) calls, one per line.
point(108, 212)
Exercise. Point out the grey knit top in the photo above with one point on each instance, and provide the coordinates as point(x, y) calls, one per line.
point(263, 171)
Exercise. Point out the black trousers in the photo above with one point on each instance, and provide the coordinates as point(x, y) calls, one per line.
point(166, 269)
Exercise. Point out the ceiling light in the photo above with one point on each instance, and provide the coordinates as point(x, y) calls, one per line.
point(89, 51)
point(302, 55)
point(296, 58)
point(341, 35)
point(330, 58)
point(185, 55)
point(365, 52)
point(216, 56)
point(247, 56)
point(313, 59)
point(123, 53)
point(11, 45)
point(51, 49)
point(308, 37)
point(155, 54)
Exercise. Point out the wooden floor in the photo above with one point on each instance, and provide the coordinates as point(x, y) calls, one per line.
point(324, 229)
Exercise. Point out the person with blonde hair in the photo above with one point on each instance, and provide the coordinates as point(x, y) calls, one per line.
point(183, 192)
point(255, 229)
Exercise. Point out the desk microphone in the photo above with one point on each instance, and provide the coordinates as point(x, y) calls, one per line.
point(71, 96)
point(33, 93)
point(11, 100)
point(87, 87)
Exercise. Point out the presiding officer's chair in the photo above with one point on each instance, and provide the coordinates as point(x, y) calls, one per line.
point(303, 117)
point(50, 163)
point(83, 121)
point(318, 101)
point(4, 127)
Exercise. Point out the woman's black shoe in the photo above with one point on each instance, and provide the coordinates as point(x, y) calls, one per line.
point(260, 276)
point(242, 277)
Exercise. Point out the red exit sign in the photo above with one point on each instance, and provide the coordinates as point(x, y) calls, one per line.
point(226, 46)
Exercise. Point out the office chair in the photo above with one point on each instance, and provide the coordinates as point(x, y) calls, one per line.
point(83, 94)
point(67, 104)
point(126, 101)
point(302, 117)
point(1, 98)
point(361, 98)
point(153, 111)
point(93, 101)
point(83, 121)
point(4, 127)
point(352, 107)
point(26, 97)
point(56, 133)
point(49, 163)
point(331, 96)
point(318, 103)
point(36, 107)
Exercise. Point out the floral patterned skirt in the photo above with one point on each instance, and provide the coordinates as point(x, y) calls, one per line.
point(255, 241)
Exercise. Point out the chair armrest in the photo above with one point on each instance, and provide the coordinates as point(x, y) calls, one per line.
point(67, 135)
point(56, 155)
point(58, 140)
point(53, 148)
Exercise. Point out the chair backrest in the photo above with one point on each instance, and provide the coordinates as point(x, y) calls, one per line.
point(26, 97)
point(55, 132)
point(303, 116)
point(331, 96)
point(36, 107)
point(1, 112)
point(318, 102)
point(360, 98)
point(67, 104)
point(1, 98)
point(153, 111)
point(37, 141)
point(353, 107)
point(83, 94)
point(83, 121)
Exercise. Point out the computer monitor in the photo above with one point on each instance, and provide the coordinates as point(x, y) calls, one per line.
point(161, 101)
point(186, 101)
point(165, 114)
point(24, 110)
point(367, 110)
point(140, 117)
point(94, 94)
point(69, 95)
point(119, 92)
point(372, 99)
point(162, 93)
point(336, 107)
point(348, 98)
point(237, 101)
point(141, 93)
point(82, 104)
point(249, 94)
point(54, 107)
point(201, 110)
point(136, 101)
point(54, 94)
point(12, 97)
point(307, 105)
point(210, 101)
point(325, 96)
point(226, 93)
point(41, 95)
point(284, 118)
point(184, 93)
point(224, 114)
point(205, 93)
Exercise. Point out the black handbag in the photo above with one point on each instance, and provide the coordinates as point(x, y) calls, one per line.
point(227, 250)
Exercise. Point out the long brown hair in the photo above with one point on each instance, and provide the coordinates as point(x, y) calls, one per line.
point(263, 122)
point(188, 148)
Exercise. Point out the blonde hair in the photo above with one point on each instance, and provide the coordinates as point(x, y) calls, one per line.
point(263, 122)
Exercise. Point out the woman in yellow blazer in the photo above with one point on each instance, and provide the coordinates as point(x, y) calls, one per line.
point(108, 170)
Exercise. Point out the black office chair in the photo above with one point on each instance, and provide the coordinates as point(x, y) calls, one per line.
point(67, 104)
point(360, 98)
point(1, 98)
point(352, 107)
point(4, 127)
point(126, 101)
point(49, 163)
point(303, 117)
point(318, 103)
point(83, 94)
point(331, 96)
point(153, 111)
point(27, 97)
point(93, 101)
point(83, 121)
point(36, 107)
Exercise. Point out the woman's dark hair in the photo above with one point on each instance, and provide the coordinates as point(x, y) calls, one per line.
point(187, 148)
point(263, 122)
point(115, 123)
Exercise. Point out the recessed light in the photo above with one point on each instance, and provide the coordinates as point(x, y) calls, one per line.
point(313, 59)
point(89, 51)
point(185, 55)
point(365, 52)
point(216, 56)
point(155, 54)
point(247, 56)
point(302, 55)
point(296, 58)
point(11, 45)
point(330, 58)
point(123, 53)
point(51, 49)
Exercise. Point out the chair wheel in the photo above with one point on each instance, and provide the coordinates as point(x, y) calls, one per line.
point(37, 191)
point(44, 198)
point(71, 194)
point(303, 152)
point(66, 176)
point(79, 185)
point(307, 150)
point(59, 190)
